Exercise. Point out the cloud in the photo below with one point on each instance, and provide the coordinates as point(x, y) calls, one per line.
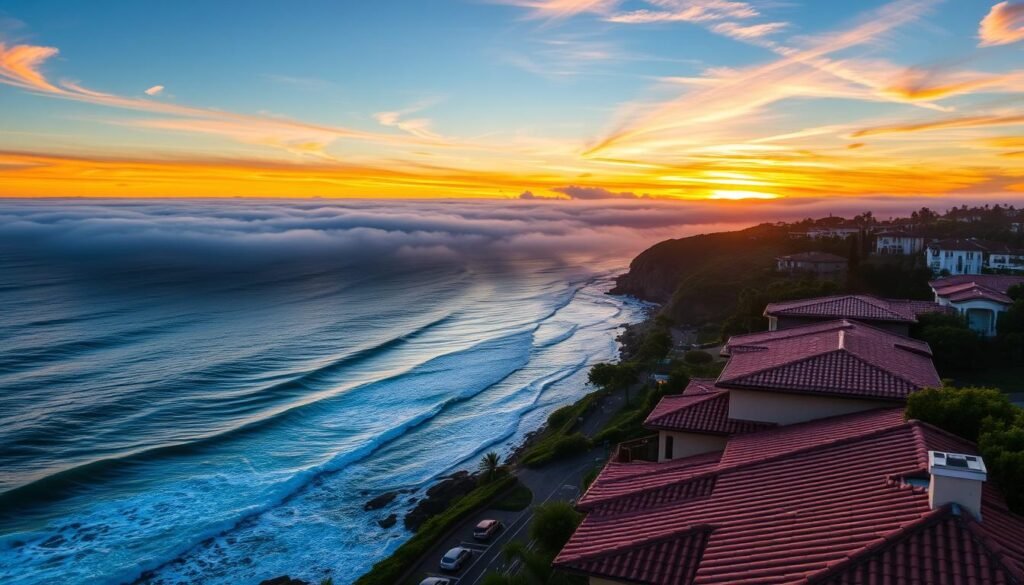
point(1004, 24)
point(20, 66)
point(943, 124)
point(753, 31)
point(933, 84)
point(419, 127)
point(562, 9)
point(155, 90)
point(686, 11)
point(592, 193)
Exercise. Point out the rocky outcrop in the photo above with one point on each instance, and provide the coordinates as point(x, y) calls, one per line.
point(388, 522)
point(439, 497)
point(283, 580)
point(380, 501)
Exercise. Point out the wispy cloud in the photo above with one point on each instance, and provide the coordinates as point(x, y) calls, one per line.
point(419, 127)
point(562, 9)
point(155, 90)
point(753, 31)
point(943, 124)
point(20, 66)
point(1004, 24)
point(686, 11)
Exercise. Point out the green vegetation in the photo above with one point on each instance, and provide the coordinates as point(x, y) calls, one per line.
point(557, 439)
point(518, 499)
point(955, 346)
point(697, 356)
point(391, 570)
point(748, 314)
point(553, 524)
point(986, 416)
point(489, 466)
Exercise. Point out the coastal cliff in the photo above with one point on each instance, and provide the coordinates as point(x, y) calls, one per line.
point(697, 279)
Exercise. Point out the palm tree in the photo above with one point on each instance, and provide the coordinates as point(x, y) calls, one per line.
point(489, 465)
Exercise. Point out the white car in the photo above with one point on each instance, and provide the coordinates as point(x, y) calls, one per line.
point(454, 559)
point(436, 581)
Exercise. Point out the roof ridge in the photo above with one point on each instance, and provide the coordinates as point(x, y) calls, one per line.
point(594, 505)
point(944, 432)
point(699, 398)
point(777, 366)
point(994, 549)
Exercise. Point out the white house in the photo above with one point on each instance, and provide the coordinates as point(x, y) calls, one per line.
point(898, 243)
point(1010, 260)
point(979, 298)
point(958, 256)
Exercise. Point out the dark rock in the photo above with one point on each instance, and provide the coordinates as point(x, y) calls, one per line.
point(439, 497)
point(388, 522)
point(380, 501)
point(283, 580)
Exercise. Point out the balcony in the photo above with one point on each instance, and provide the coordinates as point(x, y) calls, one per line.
point(642, 449)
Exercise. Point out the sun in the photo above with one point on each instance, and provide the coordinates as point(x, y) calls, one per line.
point(733, 195)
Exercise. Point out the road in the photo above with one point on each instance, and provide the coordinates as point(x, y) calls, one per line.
point(558, 480)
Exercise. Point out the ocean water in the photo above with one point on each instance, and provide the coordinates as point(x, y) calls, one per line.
point(169, 415)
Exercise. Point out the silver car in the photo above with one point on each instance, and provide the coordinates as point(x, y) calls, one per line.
point(436, 581)
point(454, 559)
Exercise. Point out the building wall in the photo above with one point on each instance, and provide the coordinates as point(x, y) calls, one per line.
point(954, 261)
point(1011, 262)
point(982, 315)
point(687, 444)
point(782, 408)
point(898, 245)
point(784, 322)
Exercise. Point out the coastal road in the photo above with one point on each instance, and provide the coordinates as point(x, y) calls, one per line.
point(556, 481)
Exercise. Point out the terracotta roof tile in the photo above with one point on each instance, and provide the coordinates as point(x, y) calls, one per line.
point(815, 502)
point(700, 411)
point(842, 358)
point(863, 307)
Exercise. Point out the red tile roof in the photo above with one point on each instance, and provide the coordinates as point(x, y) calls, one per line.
point(863, 307)
point(966, 287)
point(818, 502)
point(702, 410)
point(840, 358)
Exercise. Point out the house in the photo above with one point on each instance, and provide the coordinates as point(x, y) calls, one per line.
point(972, 256)
point(782, 377)
point(819, 263)
point(865, 497)
point(898, 243)
point(979, 298)
point(896, 315)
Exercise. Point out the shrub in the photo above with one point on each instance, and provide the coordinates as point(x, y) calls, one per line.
point(986, 415)
point(570, 445)
point(553, 525)
point(697, 356)
point(518, 499)
point(961, 411)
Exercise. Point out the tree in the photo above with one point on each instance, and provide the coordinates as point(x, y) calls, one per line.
point(489, 465)
point(955, 347)
point(696, 356)
point(553, 525)
point(961, 411)
point(987, 416)
point(613, 377)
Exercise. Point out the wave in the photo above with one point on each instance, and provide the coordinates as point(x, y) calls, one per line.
point(57, 485)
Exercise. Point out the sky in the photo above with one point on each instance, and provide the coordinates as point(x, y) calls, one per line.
point(531, 99)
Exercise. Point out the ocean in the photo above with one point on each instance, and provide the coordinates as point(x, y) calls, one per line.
point(210, 393)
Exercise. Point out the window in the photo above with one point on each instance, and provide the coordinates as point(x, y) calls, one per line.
point(668, 446)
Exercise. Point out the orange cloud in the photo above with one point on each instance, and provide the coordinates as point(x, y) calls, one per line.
point(561, 9)
point(1004, 24)
point(918, 84)
point(19, 66)
point(948, 123)
point(155, 90)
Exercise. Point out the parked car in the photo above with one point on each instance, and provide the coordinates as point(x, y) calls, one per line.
point(436, 581)
point(454, 559)
point(486, 529)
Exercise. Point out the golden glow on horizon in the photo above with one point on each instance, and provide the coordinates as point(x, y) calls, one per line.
point(741, 195)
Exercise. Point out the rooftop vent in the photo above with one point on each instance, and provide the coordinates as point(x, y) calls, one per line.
point(956, 478)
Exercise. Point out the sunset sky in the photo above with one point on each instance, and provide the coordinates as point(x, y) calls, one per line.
point(582, 99)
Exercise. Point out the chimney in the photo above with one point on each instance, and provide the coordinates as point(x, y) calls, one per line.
point(956, 478)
